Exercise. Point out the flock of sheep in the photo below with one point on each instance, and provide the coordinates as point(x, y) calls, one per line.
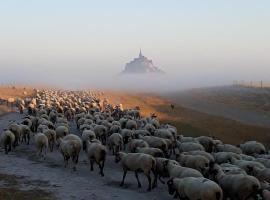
point(202, 168)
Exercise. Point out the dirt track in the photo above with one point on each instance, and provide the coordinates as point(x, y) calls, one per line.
point(33, 178)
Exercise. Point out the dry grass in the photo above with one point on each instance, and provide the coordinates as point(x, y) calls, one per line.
point(14, 92)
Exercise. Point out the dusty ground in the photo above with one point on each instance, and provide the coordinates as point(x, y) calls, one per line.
point(24, 176)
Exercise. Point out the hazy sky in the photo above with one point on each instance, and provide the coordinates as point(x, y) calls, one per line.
point(203, 42)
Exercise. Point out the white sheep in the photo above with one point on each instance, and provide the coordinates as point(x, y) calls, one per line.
point(61, 131)
point(115, 142)
point(189, 146)
point(87, 135)
point(138, 162)
point(227, 148)
point(232, 169)
point(100, 131)
point(134, 143)
point(157, 142)
point(197, 162)
point(51, 135)
point(127, 135)
point(225, 157)
point(16, 130)
point(41, 142)
point(236, 186)
point(25, 133)
point(177, 171)
point(195, 188)
point(155, 152)
point(253, 147)
point(96, 153)
point(70, 149)
point(131, 124)
point(7, 140)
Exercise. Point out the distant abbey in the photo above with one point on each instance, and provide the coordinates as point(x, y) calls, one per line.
point(141, 65)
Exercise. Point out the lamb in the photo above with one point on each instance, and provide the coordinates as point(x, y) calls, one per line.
point(197, 162)
point(25, 133)
point(87, 135)
point(252, 147)
point(177, 171)
point(70, 148)
point(96, 153)
point(138, 162)
point(155, 152)
point(116, 142)
point(41, 142)
point(195, 188)
point(134, 143)
point(51, 135)
point(8, 140)
point(236, 186)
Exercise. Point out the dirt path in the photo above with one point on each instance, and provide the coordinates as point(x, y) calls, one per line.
point(49, 178)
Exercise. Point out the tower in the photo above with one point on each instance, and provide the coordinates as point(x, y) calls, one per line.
point(140, 55)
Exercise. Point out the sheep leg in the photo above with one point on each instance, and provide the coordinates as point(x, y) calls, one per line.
point(155, 179)
point(149, 181)
point(124, 176)
point(28, 139)
point(7, 149)
point(101, 168)
point(159, 178)
point(137, 177)
point(92, 165)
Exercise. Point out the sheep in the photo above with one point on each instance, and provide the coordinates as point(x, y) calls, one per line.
point(246, 165)
point(207, 143)
point(134, 143)
point(25, 133)
point(164, 133)
point(96, 153)
point(232, 169)
point(197, 162)
point(70, 148)
point(227, 148)
point(61, 131)
point(264, 161)
point(127, 135)
point(138, 162)
point(236, 186)
point(189, 146)
point(246, 157)
point(262, 174)
point(150, 128)
point(177, 171)
point(184, 139)
point(100, 131)
point(8, 140)
point(252, 147)
point(131, 124)
point(51, 135)
point(115, 129)
point(157, 142)
point(115, 142)
point(42, 128)
point(87, 135)
point(41, 142)
point(195, 188)
point(155, 152)
point(202, 153)
point(224, 157)
point(16, 130)
point(138, 133)
point(160, 170)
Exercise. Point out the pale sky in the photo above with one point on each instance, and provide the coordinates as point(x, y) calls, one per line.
point(197, 43)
